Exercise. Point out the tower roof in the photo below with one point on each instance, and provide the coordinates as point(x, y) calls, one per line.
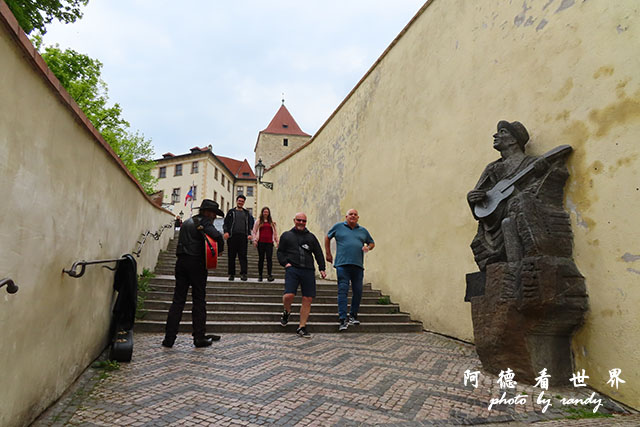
point(283, 123)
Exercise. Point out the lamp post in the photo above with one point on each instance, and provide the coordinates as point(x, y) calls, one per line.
point(260, 167)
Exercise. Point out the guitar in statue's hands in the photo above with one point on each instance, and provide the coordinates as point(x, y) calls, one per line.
point(485, 206)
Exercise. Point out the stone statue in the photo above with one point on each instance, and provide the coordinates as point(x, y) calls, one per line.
point(528, 297)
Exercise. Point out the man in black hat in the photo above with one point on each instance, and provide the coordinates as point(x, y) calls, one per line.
point(497, 239)
point(191, 270)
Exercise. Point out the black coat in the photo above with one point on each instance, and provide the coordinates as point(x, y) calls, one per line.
point(298, 249)
point(191, 240)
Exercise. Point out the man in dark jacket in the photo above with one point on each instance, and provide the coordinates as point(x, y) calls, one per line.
point(296, 251)
point(191, 270)
point(237, 232)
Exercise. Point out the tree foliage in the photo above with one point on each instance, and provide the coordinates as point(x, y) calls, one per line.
point(35, 14)
point(81, 77)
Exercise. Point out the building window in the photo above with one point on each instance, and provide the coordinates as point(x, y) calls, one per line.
point(194, 167)
point(178, 171)
point(175, 196)
point(194, 191)
point(285, 142)
point(245, 174)
point(222, 180)
point(222, 202)
point(250, 211)
point(216, 174)
point(229, 186)
point(249, 191)
point(162, 172)
point(240, 190)
point(215, 196)
point(227, 205)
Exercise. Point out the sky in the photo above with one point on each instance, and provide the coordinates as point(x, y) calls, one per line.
point(213, 72)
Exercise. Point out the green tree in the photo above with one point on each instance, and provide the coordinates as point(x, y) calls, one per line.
point(80, 75)
point(35, 14)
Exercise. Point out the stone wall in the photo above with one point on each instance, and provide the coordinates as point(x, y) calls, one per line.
point(413, 136)
point(65, 197)
point(270, 147)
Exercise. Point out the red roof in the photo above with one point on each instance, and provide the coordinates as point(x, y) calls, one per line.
point(283, 123)
point(238, 168)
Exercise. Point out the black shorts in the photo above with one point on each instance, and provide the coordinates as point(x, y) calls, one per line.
point(294, 276)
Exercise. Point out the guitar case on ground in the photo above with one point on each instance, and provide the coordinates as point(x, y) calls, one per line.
point(124, 310)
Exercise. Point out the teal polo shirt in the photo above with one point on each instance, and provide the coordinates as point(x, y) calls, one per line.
point(349, 244)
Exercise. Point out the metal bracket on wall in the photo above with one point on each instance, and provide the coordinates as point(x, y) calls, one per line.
point(12, 288)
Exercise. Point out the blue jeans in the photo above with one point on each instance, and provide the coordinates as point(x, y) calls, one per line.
point(346, 274)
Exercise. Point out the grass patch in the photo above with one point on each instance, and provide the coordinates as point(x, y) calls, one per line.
point(384, 300)
point(580, 412)
point(143, 288)
point(106, 366)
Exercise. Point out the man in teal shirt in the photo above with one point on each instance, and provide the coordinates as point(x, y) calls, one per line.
point(352, 241)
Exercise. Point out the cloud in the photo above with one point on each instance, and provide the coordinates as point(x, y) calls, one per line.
point(203, 72)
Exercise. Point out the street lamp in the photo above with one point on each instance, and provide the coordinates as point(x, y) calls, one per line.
point(260, 167)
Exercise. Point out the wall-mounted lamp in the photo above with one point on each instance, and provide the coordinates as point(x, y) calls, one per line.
point(260, 167)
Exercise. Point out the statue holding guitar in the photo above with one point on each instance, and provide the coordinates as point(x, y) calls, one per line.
point(497, 198)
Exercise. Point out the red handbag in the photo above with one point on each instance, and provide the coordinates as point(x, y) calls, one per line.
point(211, 252)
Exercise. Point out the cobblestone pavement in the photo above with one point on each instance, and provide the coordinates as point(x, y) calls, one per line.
point(330, 379)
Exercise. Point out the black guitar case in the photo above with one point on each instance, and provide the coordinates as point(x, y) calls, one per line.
point(124, 310)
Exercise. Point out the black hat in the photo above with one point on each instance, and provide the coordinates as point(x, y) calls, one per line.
point(210, 205)
point(517, 130)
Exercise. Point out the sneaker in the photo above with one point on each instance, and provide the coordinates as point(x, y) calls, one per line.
point(353, 320)
point(213, 337)
point(285, 318)
point(270, 278)
point(243, 277)
point(231, 278)
point(344, 324)
point(303, 332)
point(168, 342)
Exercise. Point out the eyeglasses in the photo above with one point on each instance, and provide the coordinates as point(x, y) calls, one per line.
point(301, 220)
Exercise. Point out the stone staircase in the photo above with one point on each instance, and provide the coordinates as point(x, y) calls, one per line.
point(252, 306)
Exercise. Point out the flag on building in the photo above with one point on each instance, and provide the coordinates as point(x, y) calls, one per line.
point(189, 196)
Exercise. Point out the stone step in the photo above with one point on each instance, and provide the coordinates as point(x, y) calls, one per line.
point(220, 272)
point(274, 317)
point(320, 299)
point(251, 306)
point(265, 327)
point(257, 290)
point(272, 307)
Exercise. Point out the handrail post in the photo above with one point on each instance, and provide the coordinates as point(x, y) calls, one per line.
point(12, 288)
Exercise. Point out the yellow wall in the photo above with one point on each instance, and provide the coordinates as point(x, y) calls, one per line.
point(411, 140)
point(64, 199)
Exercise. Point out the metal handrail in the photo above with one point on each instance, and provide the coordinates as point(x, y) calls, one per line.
point(82, 264)
point(156, 236)
point(12, 288)
point(73, 271)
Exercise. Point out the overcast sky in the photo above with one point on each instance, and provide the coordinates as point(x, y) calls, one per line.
point(202, 72)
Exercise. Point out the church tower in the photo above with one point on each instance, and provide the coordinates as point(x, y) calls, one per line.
point(281, 137)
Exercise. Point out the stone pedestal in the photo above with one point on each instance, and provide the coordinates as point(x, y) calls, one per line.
point(526, 316)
